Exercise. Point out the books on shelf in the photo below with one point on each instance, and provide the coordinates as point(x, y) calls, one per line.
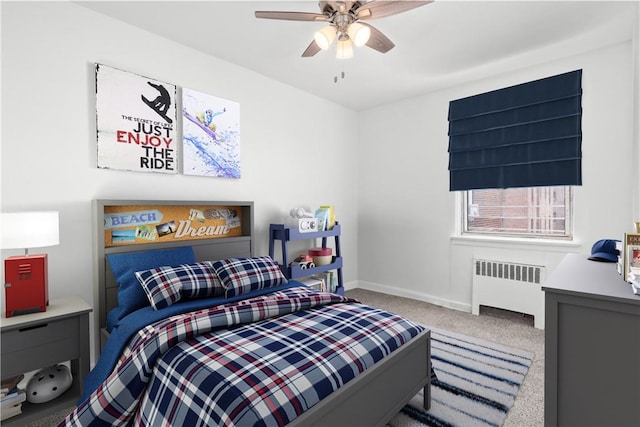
point(11, 397)
point(12, 403)
point(9, 384)
point(326, 217)
point(11, 411)
point(330, 280)
point(15, 397)
point(331, 220)
point(322, 215)
point(324, 282)
point(313, 282)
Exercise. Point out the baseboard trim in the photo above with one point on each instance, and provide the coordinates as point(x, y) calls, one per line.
point(390, 290)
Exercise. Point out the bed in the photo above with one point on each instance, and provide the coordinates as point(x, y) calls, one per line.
point(198, 330)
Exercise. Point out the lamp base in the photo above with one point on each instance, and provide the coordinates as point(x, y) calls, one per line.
point(26, 284)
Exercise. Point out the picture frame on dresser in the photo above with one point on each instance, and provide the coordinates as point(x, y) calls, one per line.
point(631, 255)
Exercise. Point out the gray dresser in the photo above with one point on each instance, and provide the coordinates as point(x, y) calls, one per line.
point(592, 346)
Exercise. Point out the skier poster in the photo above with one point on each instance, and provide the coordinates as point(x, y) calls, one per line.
point(210, 135)
point(136, 122)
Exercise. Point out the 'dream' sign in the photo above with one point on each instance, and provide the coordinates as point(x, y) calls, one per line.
point(130, 225)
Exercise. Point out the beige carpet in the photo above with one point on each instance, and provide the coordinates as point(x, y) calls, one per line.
point(502, 327)
point(51, 420)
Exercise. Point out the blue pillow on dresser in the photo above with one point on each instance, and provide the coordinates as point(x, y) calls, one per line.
point(131, 296)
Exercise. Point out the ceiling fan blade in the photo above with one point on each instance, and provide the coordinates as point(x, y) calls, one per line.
point(291, 16)
point(311, 50)
point(378, 41)
point(380, 9)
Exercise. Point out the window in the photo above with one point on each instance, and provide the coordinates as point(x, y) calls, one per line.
point(519, 212)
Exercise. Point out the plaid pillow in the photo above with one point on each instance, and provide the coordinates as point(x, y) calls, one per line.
point(241, 275)
point(167, 285)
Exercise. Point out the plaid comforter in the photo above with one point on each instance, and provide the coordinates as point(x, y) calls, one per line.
point(257, 362)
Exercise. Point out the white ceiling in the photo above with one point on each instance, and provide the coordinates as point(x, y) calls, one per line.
point(437, 45)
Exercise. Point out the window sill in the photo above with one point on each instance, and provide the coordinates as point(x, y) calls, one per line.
point(550, 245)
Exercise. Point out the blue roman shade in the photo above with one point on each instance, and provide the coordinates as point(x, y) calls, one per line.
point(526, 135)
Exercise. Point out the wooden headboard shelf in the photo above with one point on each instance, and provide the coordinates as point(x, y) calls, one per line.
point(215, 230)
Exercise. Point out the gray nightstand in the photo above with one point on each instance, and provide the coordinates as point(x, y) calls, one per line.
point(34, 341)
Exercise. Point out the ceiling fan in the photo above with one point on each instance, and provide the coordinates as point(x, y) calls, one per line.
point(344, 18)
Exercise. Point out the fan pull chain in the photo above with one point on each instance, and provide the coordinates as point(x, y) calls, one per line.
point(335, 78)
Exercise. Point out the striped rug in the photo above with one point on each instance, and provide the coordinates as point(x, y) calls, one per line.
point(476, 385)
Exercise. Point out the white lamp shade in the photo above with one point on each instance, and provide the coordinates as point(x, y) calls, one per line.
point(324, 37)
point(344, 49)
point(359, 33)
point(24, 230)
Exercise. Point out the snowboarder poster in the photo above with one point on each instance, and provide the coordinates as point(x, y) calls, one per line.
point(210, 135)
point(136, 122)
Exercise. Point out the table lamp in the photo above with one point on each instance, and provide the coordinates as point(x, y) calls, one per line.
point(26, 277)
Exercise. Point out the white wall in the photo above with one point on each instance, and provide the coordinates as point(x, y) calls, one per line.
point(407, 216)
point(387, 177)
point(49, 136)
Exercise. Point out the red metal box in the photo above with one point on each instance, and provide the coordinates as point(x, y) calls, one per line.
point(25, 285)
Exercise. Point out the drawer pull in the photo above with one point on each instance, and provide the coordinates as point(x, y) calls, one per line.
point(44, 325)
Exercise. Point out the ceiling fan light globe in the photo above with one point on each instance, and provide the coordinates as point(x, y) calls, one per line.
point(344, 49)
point(359, 34)
point(324, 37)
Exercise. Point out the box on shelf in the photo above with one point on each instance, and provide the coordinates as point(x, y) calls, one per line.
point(321, 256)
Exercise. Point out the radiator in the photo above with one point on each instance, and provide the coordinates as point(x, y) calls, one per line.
point(510, 286)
